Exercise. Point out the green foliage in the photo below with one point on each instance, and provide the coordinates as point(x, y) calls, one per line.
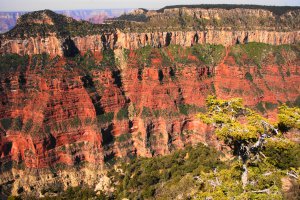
point(187, 109)
point(270, 106)
point(166, 113)
point(6, 123)
point(88, 121)
point(261, 176)
point(41, 61)
point(75, 122)
point(289, 117)
point(144, 176)
point(236, 132)
point(224, 115)
point(87, 61)
point(288, 73)
point(282, 153)
point(108, 58)
point(179, 53)
point(248, 76)
point(143, 55)
point(77, 193)
point(206, 54)
point(11, 62)
point(257, 51)
point(123, 113)
point(260, 107)
point(258, 54)
point(297, 101)
point(17, 124)
point(14, 198)
point(183, 109)
point(126, 53)
point(105, 118)
point(209, 54)
point(197, 172)
point(146, 112)
point(124, 137)
point(240, 128)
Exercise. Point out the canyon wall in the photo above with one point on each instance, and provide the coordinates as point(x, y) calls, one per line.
point(54, 45)
point(56, 117)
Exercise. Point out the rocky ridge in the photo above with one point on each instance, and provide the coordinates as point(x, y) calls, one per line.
point(182, 26)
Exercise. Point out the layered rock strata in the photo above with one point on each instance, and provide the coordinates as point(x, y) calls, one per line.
point(53, 45)
point(48, 32)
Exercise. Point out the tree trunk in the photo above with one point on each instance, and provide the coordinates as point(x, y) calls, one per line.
point(245, 176)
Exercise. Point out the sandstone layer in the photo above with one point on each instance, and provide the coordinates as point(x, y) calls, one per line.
point(96, 43)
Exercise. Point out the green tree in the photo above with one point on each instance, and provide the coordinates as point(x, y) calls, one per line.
point(241, 128)
point(288, 118)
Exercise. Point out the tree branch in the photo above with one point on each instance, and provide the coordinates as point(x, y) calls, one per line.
point(262, 191)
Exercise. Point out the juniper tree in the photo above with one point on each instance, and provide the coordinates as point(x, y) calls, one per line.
point(242, 129)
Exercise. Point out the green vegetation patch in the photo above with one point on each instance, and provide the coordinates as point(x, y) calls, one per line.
point(11, 62)
point(289, 117)
point(249, 77)
point(143, 55)
point(209, 54)
point(179, 53)
point(123, 113)
point(105, 118)
point(124, 137)
point(143, 176)
point(146, 112)
point(187, 109)
point(108, 58)
point(283, 153)
point(259, 54)
point(17, 124)
point(6, 123)
point(89, 62)
point(206, 54)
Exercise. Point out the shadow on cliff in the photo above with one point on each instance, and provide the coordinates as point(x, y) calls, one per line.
point(88, 84)
point(69, 48)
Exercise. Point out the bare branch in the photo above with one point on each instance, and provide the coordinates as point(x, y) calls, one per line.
point(293, 174)
point(268, 191)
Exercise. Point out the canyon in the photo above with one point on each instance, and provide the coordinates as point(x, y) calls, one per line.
point(73, 105)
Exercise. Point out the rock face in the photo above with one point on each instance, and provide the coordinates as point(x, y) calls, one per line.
point(189, 27)
point(96, 43)
point(62, 119)
point(56, 117)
